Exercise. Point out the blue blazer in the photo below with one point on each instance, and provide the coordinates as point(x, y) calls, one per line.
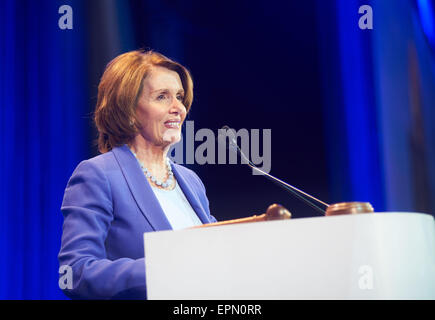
point(107, 207)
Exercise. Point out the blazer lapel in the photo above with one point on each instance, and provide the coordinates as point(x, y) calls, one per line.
point(141, 189)
point(191, 196)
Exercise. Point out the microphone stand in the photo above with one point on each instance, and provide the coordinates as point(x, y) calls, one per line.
point(313, 202)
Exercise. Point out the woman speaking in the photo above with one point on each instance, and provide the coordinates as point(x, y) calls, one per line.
point(132, 187)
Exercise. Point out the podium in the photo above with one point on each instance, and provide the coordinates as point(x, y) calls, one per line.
point(364, 256)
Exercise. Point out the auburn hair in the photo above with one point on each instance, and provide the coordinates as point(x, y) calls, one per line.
point(119, 90)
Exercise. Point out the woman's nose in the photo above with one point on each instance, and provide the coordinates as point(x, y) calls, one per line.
point(177, 106)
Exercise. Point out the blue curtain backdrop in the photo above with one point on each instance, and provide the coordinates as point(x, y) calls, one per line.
point(374, 112)
point(44, 134)
point(378, 88)
point(350, 110)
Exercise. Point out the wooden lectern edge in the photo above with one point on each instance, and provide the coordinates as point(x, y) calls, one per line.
point(254, 218)
point(274, 212)
point(278, 212)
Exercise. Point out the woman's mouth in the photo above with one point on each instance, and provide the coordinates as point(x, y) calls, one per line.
point(172, 124)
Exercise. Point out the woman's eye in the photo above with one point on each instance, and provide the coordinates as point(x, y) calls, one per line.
point(180, 97)
point(161, 97)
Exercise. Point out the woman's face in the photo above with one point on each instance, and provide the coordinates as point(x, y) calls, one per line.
point(160, 110)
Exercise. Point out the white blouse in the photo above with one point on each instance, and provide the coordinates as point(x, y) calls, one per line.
point(177, 208)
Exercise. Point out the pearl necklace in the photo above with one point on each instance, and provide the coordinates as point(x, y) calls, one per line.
point(163, 184)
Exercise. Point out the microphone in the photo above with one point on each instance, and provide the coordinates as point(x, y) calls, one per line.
point(313, 202)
